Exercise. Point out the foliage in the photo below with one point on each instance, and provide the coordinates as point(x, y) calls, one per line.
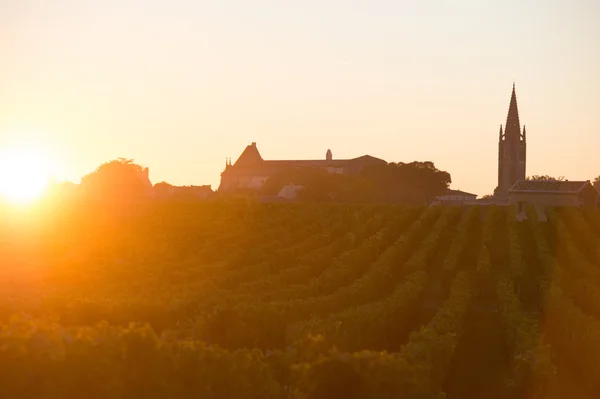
point(297, 176)
point(545, 177)
point(320, 186)
point(162, 189)
point(596, 183)
point(227, 299)
point(117, 179)
point(415, 182)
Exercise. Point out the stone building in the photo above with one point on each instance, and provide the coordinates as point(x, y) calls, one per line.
point(251, 171)
point(289, 191)
point(512, 151)
point(455, 197)
point(545, 193)
point(165, 190)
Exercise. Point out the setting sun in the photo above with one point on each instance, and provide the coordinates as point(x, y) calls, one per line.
point(24, 174)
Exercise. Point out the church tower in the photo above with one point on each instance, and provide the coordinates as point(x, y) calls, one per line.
point(328, 155)
point(512, 146)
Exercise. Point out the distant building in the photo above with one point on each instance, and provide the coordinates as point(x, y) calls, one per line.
point(251, 171)
point(290, 191)
point(167, 191)
point(455, 197)
point(512, 148)
point(544, 193)
point(192, 192)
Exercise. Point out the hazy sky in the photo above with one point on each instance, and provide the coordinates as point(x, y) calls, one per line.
point(180, 85)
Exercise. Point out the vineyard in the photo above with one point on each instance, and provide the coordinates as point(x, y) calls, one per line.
point(250, 300)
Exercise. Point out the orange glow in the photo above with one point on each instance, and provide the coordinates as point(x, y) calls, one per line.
point(24, 174)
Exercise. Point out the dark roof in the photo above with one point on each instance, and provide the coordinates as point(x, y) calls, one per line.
point(249, 157)
point(458, 192)
point(252, 162)
point(549, 186)
point(308, 162)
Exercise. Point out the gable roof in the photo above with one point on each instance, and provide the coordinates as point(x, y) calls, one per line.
point(249, 157)
point(449, 191)
point(549, 186)
point(307, 162)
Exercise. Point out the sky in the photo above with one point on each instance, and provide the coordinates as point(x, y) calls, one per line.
point(180, 85)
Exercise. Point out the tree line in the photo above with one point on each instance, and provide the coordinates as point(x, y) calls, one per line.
point(415, 182)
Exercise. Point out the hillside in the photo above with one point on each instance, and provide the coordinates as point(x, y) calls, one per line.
point(246, 300)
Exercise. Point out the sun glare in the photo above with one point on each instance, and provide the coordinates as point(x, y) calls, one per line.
point(24, 174)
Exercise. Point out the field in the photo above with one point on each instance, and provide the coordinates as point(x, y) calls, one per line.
point(249, 300)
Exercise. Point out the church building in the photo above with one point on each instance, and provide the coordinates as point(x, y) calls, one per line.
point(512, 148)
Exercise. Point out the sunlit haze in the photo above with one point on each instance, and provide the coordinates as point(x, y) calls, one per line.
point(24, 173)
point(181, 85)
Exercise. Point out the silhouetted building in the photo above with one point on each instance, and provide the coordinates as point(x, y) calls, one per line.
point(251, 171)
point(544, 193)
point(512, 148)
point(192, 192)
point(167, 191)
point(455, 197)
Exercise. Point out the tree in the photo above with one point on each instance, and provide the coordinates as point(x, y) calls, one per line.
point(298, 176)
point(596, 183)
point(117, 179)
point(162, 190)
point(337, 188)
point(320, 185)
point(545, 177)
point(414, 182)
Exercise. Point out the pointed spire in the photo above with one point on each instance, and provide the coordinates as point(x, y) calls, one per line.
point(500, 134)
point(524, 133)
point(513, 126)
